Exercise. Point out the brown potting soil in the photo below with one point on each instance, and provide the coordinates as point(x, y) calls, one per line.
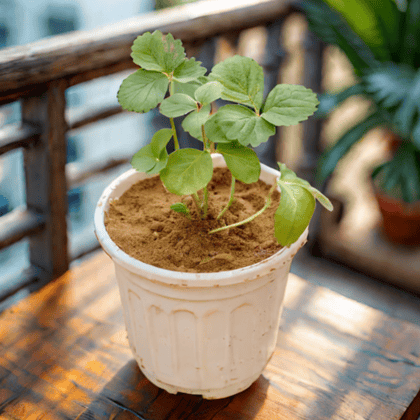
point(142, 224)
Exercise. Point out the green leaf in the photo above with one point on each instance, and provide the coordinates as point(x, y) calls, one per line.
point(323, 200)
point(160, 163)
point(181, 208)
point(192, 122)
point(373, 21)
point(177, 105)
point(410, 41)
point(389, 84)
point(416, 134)
point(214, 131)
point(329, 101)
point(289, 104)
point(189, 71)
point(242, 79)
point(407, 115)
point(203, 80)
point(159, 141)
point(186, 88)
point(208, 93)
point(187, 171)
point(293, 214)
point(145, 161)
point(389, 20)
point(396, 89)
point(332, 28)
point(400, 177)
point(240, 123)
point(158, 52)
point(142, 90)
point(289, 177)
point(331, 157)
point(242, 162)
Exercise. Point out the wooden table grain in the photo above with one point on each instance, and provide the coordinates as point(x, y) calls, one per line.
point(64, 355)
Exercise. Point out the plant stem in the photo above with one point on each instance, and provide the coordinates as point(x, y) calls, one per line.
point(203, 133)
point(171, 92)
point(205, 202)
point(250, 218)
point(174, 133)
point(196, 200)
point(231, 198)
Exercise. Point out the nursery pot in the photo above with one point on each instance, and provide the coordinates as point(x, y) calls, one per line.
point(200, 333)
point(401, 221)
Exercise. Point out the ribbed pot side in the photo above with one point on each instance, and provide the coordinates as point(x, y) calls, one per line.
point(201, 333)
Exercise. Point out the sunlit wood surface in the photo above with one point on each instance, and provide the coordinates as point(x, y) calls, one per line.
point(64, 355)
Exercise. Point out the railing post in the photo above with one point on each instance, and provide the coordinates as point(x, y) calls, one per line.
point(274, 54)
point(312, 127)
point(46, 190)
point(311, 140)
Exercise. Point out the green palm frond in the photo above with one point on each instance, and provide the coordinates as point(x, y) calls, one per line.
point(400, 177)
point(332, 156)
point(396, 90)
point(329, 101)
point(377, 23)
point(410, 35)
point(333, 29)
point(389, 84)
point(381, 39)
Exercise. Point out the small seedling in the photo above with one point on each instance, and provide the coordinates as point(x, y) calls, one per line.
point(248, 121)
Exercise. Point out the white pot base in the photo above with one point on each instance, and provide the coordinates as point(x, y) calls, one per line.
point(207, 394)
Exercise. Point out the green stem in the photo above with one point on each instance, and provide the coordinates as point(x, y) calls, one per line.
point(171, 92)
point(196, 200)
point(231, 198)
point(250, 218)
point(174, 133)
point(203, 133)
point(205, 202)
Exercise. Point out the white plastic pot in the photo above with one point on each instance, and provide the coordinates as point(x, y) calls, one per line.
point(200, 333)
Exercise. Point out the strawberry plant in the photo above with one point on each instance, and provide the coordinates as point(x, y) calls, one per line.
point(179, 87)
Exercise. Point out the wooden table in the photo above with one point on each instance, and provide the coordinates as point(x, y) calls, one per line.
point(64, 355)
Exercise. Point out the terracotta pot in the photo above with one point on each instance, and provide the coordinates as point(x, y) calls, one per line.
point(201, 333)
point(401, 221)
point(393, 141)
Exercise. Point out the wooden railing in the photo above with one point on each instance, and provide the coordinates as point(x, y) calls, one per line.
point(38, 75)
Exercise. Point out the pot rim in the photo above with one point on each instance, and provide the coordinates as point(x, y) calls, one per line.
point(181, 278)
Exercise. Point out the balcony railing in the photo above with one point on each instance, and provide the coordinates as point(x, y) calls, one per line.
point(38, 75)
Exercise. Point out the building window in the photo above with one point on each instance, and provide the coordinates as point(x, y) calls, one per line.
point(4, 34)
point(74, 199)
point(60, 20)
point(4, 205)
point(72, 149)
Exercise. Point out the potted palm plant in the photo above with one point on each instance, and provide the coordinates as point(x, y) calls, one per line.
point(381, 39)
point(201, 279)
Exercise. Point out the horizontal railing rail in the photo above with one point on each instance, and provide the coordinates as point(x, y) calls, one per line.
point(18, 224)
point(17, 136)
point(38, 75)
point(87, 51)
point(92, 116)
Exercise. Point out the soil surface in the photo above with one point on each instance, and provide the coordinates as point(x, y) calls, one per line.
point(142, 224)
